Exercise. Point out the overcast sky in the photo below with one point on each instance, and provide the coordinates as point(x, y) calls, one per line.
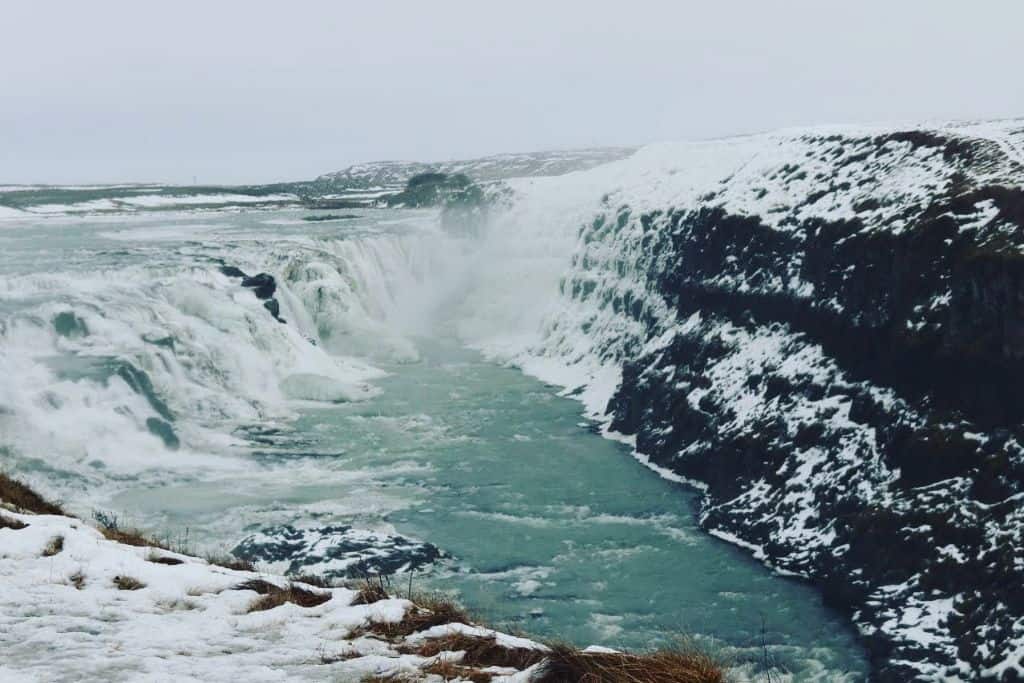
point(258, 91)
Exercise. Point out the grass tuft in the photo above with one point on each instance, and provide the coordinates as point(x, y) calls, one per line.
point(428, 610)
point(77, 580)
point(109, 525)
point(21, 496)
point(568, 663)
point(272, 595)
point(482, 651)
point(231, 562)
point(11, 523)
point(127, 583)
point(312, 580)
point(162, 559)
point(450, 671)
point(55, 545)
point(369, 591)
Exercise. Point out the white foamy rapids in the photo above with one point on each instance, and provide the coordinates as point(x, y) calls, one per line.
point(366, 297)
point(123, 373)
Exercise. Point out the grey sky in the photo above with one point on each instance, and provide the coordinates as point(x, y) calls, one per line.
point(257, 91)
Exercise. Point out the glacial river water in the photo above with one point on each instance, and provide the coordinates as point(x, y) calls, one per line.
point(544, 525)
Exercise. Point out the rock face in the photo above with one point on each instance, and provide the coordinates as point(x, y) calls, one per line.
point(339, 551)
point(831, 339)
point(262, 285)
point(232, 271)
point(274, 308)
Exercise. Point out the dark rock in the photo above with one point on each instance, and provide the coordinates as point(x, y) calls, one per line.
point(163, 342)
point(900, 426)
point(337, 551)
point(232, 271)
point(262, 285)
point(164, 430)
point(275, 309)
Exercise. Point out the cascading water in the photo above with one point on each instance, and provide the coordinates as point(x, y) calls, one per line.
point(142, 379)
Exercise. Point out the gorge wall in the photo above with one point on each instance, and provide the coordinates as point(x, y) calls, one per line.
point(825, 331)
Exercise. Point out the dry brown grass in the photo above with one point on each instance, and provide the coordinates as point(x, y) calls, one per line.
point(156, 558)
point(450, 671)
point(109, 525)
point(428, 610)
point(11, 523)
point(77, 580)
point(481, 651)
point(21, 496)
point(134, 537)
point(272, 595)
point(127, 583)
point(55, 545)
point(231, 562)
point(369, 591)
point(312, 580)
point(567, 664)
point(339, 656)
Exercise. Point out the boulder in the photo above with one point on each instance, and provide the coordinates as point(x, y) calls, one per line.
point(275, 309)
point(232, 271)
point(262, 285)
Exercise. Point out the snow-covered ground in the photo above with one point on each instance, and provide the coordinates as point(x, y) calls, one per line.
point(63, 617)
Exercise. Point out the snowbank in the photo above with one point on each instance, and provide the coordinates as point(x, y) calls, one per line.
point(87, 608)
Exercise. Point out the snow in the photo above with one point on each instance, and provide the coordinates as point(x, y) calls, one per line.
point(154, 201)
point(190, 621)
point(157, 201)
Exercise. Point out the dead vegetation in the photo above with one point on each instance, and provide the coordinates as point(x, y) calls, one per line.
point(229, 561)
point(312, 580)
point(428, 610)
point(15, 493)
point(157, 558)
point(77, 580)
point(482, 651)
point(272, 595)
point(55, 546)
point(452, 671)
point(369, 590)
point(127, 583)
point(20, 496)
point(566, 663)
point(109, 525)
point(11, 523)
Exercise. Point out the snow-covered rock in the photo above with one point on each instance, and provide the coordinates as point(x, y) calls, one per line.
point(823, 329)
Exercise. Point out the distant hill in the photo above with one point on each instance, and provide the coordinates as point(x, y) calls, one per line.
point(360, 186)
point(393, 175)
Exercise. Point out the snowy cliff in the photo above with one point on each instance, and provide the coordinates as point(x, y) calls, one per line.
point(824, 330)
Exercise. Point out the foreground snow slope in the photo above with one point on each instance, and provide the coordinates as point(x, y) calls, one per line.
point(63, 617)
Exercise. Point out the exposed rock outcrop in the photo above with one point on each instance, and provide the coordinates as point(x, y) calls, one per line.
point(831, 339)
point(262, 285)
